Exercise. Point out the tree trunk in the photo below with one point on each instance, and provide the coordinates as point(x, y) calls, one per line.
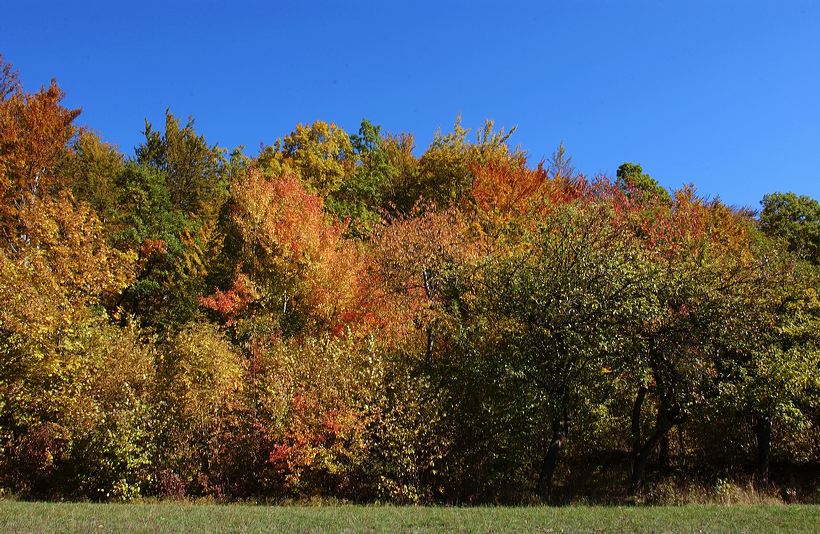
point(642, 450)
point(428, 353)
point(636, 419)
point(428, 290)
point(763, 435)
point(642, 455)
point(663, 453)
point(682, 453)
point(550, 461)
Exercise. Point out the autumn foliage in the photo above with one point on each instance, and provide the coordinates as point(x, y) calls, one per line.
point(341, 317)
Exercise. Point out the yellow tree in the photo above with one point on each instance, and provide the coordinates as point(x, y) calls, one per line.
point(56, 269)
point(320, 154)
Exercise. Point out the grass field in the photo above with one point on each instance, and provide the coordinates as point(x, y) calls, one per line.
point(82, 517)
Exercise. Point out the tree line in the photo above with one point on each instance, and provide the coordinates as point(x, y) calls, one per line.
point(338, 317)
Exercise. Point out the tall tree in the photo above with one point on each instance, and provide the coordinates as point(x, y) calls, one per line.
point(34, 132)
point(194, 171)
point(563, 302)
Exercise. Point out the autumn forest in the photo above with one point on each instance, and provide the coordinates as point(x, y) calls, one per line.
point(342, 316)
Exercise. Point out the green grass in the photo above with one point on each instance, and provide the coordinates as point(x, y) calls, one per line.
point(170, 517)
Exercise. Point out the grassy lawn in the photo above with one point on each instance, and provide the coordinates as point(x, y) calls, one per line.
point(82, 517)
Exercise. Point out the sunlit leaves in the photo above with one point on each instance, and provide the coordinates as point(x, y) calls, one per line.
point(795, 219)
point(293, 258)
point(34, 131)
point(339, 317)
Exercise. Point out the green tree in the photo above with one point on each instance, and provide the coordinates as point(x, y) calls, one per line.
point(630, 177)
point(562, 305)
point(360, 197)
point(770, 367)
point(170, 198)
point(194, 172)
point(704, 270)
point(796, 219)
point(92, 168)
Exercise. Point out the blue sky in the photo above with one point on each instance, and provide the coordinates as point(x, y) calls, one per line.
point(725, 94)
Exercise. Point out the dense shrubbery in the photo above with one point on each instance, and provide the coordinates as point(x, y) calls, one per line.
point(338, 318)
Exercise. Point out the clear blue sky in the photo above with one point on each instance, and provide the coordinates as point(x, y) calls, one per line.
point(725, 94)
